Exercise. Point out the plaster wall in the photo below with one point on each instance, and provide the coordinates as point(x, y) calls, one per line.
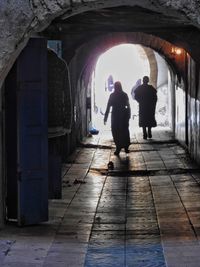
point(193, 102)
point(162, 73)
point(162, 91)
point(180, 114)
point(172, 100)
point(187, 111)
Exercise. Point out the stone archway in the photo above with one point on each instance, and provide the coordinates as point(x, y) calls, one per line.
point(89, 52)
point(22, 19)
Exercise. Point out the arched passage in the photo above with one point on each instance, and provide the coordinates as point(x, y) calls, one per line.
point(129, 63)
point(88, 54)
point(81, 51)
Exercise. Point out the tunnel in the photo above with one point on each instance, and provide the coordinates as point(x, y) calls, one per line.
point(56, 182)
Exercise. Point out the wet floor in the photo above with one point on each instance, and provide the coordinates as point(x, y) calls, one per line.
point(145, 212)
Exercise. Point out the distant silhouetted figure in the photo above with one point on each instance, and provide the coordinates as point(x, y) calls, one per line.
point(146, 96)
point(138, 83)
point(120, 116)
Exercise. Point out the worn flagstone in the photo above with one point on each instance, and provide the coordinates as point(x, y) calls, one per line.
point(144, 213)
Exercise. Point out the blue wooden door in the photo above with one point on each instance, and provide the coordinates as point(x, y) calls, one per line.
point(32, 143)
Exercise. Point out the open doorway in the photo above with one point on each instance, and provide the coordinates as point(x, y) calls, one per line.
point(26, 136)
point(128, 63)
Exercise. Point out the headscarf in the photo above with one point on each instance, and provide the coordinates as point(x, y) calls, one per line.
point(118, 87)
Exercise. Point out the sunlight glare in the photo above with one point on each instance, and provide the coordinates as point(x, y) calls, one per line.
point(126, 63)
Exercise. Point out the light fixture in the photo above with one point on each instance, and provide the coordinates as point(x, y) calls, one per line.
point(176, 51)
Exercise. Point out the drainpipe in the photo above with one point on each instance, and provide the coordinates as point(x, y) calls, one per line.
point(186, 98)
point(173, 102)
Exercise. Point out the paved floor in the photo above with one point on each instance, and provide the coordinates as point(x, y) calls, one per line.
point(145, 212)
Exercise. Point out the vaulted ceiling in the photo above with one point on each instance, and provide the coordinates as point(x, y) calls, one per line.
point(85, 26)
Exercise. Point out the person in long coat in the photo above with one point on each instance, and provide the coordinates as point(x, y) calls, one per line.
point(120, 116)
point(146, 96)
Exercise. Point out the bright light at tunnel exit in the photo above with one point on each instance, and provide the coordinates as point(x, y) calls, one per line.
point(127, 63)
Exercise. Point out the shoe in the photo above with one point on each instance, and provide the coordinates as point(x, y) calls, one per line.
point(144, 136)
point(149, 132)
point(144, 133)
point(110, 165)
point(116, 153)
point(126, 150)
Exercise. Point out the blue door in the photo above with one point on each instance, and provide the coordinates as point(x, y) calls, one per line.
point(32, 133)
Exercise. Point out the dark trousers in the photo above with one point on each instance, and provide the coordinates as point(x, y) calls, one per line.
point(145, 132)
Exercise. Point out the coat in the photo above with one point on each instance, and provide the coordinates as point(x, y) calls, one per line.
point(146, 96)
point(119, 118)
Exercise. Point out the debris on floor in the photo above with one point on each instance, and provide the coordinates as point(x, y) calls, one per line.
point(77, 181)
point(110, 165)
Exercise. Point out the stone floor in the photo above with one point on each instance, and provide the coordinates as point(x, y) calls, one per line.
point(143, 213)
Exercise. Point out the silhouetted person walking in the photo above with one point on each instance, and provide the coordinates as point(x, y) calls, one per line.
point(119, 118)
point(146, 96)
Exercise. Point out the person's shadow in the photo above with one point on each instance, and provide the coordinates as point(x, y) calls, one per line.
point(122, 163)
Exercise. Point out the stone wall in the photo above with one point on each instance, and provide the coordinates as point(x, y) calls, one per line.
point(21, 19)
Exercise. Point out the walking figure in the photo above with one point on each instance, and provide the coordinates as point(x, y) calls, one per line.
point(120, 116)
point(146, 96)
